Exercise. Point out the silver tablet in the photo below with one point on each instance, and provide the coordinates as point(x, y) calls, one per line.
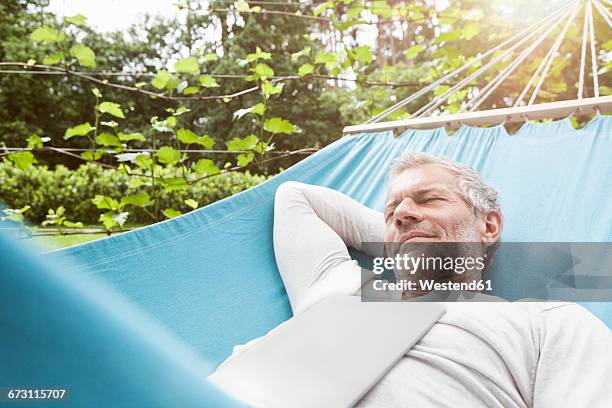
point(330, 355)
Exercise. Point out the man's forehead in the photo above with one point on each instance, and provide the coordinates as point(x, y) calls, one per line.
point(422, 179)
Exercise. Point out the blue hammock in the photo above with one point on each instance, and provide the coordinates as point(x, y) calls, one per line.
point(207, 280)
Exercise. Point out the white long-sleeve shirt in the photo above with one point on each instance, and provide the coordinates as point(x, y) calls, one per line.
point(500, 354)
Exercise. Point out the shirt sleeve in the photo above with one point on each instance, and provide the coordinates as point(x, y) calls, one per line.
point(313, 226)
point(575, 361)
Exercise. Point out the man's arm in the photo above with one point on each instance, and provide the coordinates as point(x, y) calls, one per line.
point(312, 228)
point(575, 362)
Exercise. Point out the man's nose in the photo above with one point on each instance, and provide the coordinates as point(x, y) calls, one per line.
point(407, 212)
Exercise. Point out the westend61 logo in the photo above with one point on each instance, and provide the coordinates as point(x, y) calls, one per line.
point(411, 264)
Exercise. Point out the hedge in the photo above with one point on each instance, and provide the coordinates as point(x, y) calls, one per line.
point(43, 188)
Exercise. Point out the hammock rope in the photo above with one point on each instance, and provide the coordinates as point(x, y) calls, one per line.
point(435, 102)
point(536, 35)
point(585, 29)
point(464, 67)
point(502, 76)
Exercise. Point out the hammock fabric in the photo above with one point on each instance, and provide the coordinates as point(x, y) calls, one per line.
point(193, 287)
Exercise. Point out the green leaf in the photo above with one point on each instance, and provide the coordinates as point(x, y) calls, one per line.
point(296, 55)
point(107, 220)
point(35, 142)
point(305, 70)
point(130, 136)
point(92, 154)
point(278, 125)
point(46, 35)
point(256, 109)
point(205, 167)
point(453, 35)
point(191, 90)
point(105, 203)
point(186, 136)
point(268, 88)
point(354, 11)
point(71, 224)
point(244, 159)
point(78, 130)
point(208, 81)
point(168, 155)
point(381, 8)
point(607, 45)
point(171, 212)
point(205, 141)
point(263, 70)
point(161, 79)
point(187, 65)
point(139, 200)
point(53, 59)
point(258, 55)
point(322, 8)
point(108, 140)
point(22, 160)
point(175, 183)
point(181, 110)
point(237, 144)
point(78, 20)
point(363, 54)
point(144, 161)
point(470, 30)
point(84, 55)
point(111, 108)
point(330, 59)
point(414, 51)
point(191, 203)
point(210, 57)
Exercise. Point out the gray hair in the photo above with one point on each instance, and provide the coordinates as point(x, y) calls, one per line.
point(476, 193)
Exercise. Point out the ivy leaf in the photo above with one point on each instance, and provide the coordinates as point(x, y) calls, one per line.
point(296, 55)
point(131, 136)
point(168, 155)
point(171, 212)
point(107, 220)
point(46, 35)
point(78, 20)
point(268, 88)
point(363, 54)
point(78, 130)
point(175, 183)
point(53, 59)
point(263, 70)
point(35, 142)
point(205, 141)
point(105, 202)
point(161, 79)
point(84, 55)
point(256, 109)
point(111, 108)
point(108, 140)
point(22, 160)
point(92, 154)
point(414, 51)
point(244, 159)
point(278, 125)
point(191, 203)
point(210, 57)
point(208, 81)
point(305, 70)
point(330, 59)
point(186, 136)
point(191, 90)
point(187, 65)
point(237, 144)
point(258, 55)
point(205, 167)
point(470, 30)
point(144, 161)
point(139, 200)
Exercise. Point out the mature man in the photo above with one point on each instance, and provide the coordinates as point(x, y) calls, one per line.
point(479, 354)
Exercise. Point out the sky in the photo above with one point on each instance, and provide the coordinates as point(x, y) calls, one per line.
point(110, 15)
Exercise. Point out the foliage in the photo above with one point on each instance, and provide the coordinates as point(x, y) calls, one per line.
point(39, 188)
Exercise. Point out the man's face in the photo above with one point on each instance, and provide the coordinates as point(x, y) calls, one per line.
point(423, 205)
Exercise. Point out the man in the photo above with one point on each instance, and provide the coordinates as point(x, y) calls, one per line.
point(479, 354)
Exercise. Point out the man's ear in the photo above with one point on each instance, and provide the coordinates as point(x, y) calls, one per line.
point(493, 225)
